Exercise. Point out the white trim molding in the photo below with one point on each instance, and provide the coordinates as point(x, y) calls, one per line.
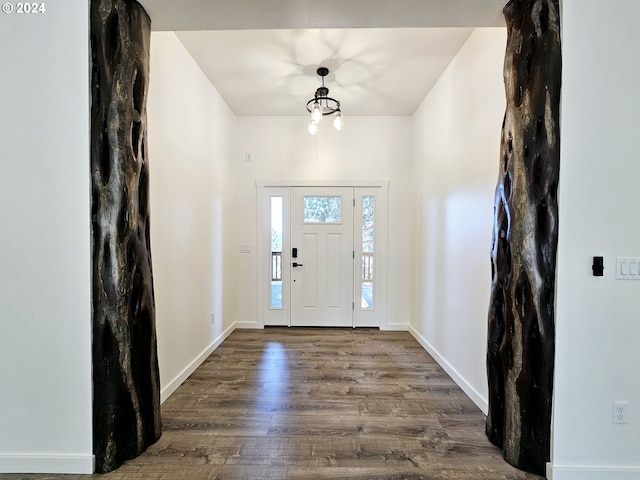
point(60, 464)
point(173, 385)
point(472, 393)
point(241, 325)
point(323, 183)
point(395, 327)
point(265, 188)
point(570, 472)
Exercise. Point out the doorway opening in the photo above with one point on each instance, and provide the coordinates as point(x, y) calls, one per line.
point(322, 255)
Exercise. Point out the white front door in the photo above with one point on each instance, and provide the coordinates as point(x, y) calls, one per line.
point(322, 256)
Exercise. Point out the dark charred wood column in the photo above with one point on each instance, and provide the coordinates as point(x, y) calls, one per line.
point(126, 405)
point(521, 338)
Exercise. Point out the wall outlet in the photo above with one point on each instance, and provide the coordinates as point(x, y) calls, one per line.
point(620, 412)
point(213, 318)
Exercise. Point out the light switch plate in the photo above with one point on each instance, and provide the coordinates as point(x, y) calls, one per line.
point(627, 268)
point(245, 248)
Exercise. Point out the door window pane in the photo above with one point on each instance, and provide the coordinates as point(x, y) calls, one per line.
point(368, 261)
point(321, 209)
point(276, 251)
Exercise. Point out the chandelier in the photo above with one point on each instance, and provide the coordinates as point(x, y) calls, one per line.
point(321, 104)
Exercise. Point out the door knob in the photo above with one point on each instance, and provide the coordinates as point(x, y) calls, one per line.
point(295, 264)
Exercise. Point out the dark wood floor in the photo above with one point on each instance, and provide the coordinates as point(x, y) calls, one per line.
point(316, 404)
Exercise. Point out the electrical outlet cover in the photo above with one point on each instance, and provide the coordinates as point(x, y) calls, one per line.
point(620, 412)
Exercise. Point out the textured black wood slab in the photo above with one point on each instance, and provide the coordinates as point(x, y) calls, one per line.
point(521, 339)
point(126, 405)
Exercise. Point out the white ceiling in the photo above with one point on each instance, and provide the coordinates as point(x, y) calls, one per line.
point(384, 56)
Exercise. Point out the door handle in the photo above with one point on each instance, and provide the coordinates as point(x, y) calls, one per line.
point(296, 264)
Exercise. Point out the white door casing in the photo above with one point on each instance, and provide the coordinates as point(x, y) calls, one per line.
point(322, 292)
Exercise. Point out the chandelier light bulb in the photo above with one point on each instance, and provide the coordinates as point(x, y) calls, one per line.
point(338, 123)
point(312, 128)
point(316, 112)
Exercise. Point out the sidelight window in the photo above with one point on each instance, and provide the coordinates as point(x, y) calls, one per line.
point(368, 261)
point(276, 210)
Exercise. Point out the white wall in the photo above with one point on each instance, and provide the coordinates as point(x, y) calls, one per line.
point(45, 285)
point(598, 319)
point(456, 139)
point(191, 144)
point(369, 148)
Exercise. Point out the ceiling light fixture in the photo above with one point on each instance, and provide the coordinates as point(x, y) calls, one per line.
point(322, 104)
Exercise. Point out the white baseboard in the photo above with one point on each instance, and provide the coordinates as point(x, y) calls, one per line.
point(62, 464)
point(173, 385)
point(562, 472)
point(248, 325)
point(396, 327)
point(472, 393)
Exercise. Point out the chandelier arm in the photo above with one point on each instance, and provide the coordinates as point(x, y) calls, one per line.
point(326, 109)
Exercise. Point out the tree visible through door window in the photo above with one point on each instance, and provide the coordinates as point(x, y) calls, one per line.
point(367, 266)
point(322, 209)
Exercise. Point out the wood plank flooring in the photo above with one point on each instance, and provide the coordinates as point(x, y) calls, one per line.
point(317, 404)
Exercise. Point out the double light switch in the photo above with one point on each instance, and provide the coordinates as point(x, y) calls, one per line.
point(628, 268)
